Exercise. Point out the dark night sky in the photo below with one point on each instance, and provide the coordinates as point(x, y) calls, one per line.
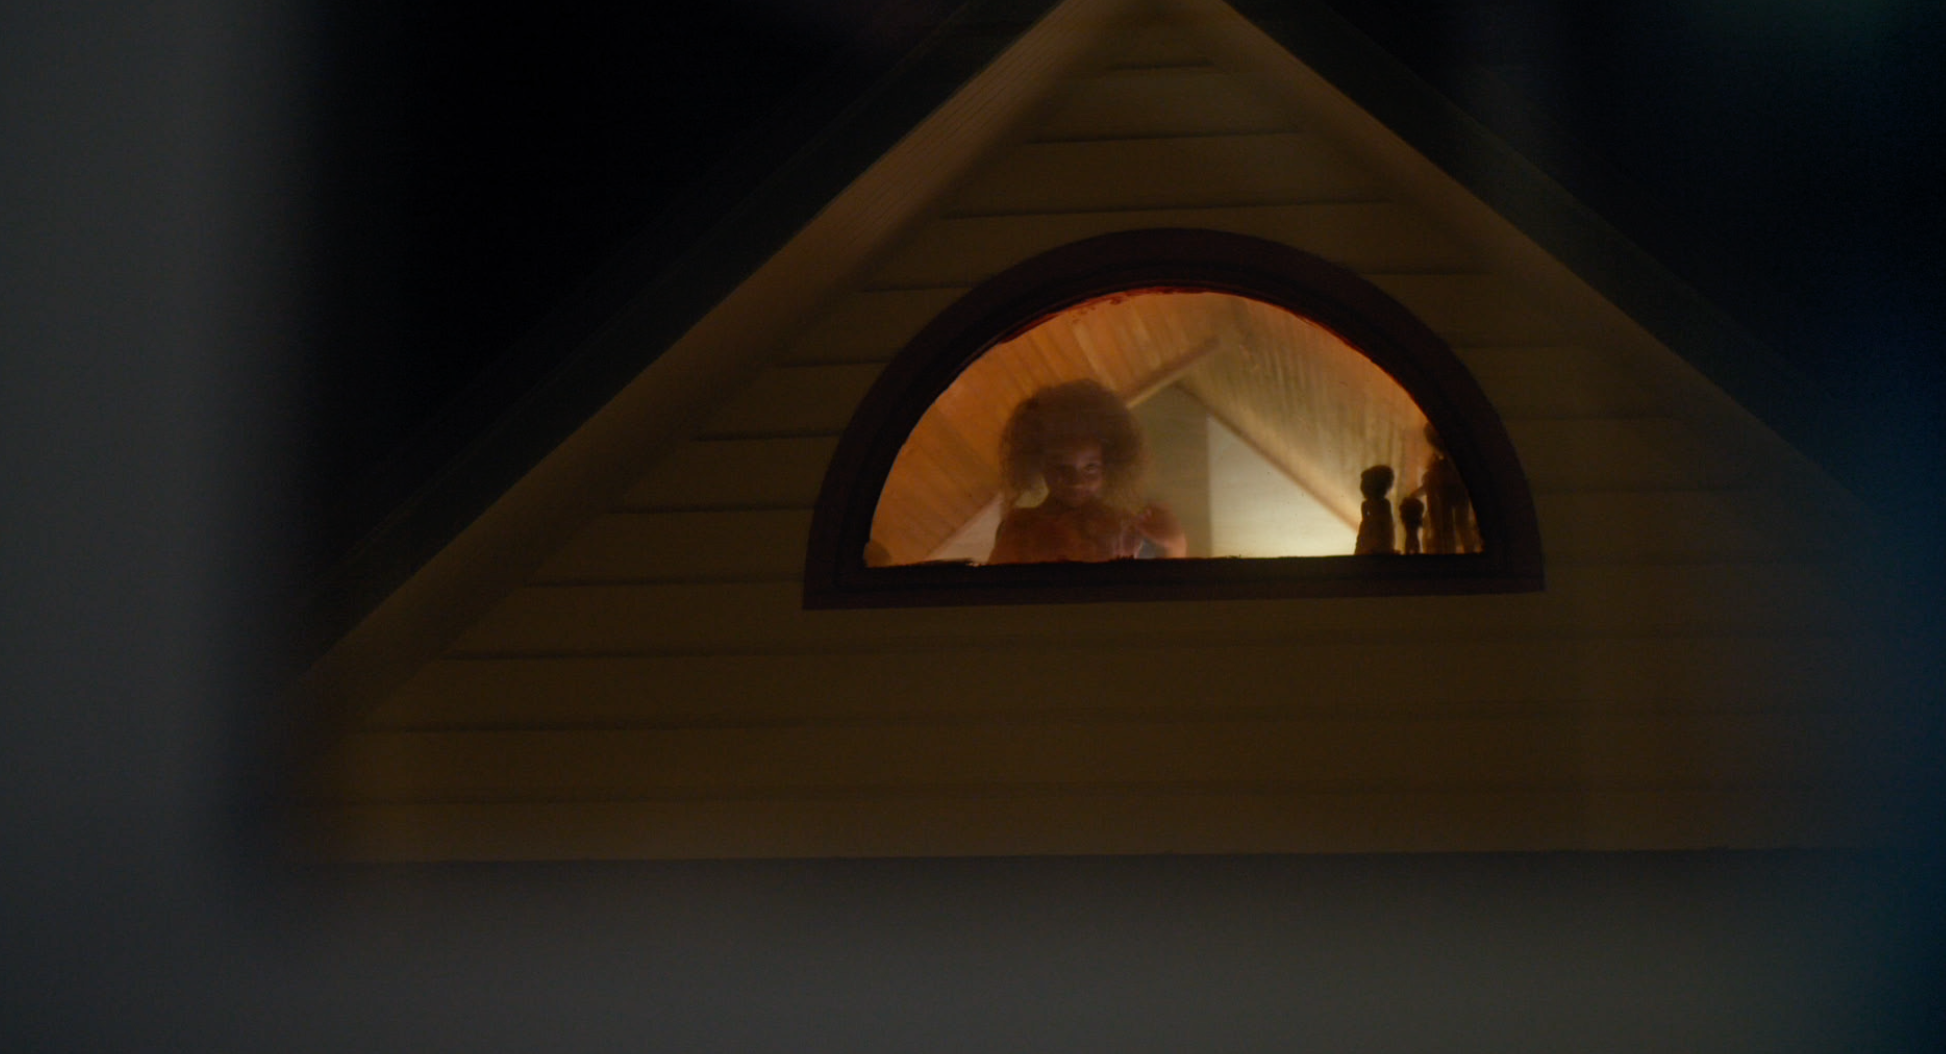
point(477, 164)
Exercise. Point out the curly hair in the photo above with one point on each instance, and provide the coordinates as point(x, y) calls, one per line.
point(1063, 413)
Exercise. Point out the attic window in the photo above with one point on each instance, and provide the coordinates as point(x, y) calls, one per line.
point(1272, 395)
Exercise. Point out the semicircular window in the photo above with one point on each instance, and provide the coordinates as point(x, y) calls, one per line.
point(1204, 426)
point(1252, 428)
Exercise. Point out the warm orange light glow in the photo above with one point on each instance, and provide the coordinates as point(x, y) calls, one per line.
point(1259, 423)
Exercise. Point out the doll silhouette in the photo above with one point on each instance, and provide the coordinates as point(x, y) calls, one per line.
point(1078, 445)
point(1449, 512)
point(1412, 516)
point(1375, 534)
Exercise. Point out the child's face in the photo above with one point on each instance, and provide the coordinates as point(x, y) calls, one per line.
point(1074, 472)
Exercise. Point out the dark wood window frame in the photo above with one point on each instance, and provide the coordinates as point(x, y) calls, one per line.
point(1364, 316)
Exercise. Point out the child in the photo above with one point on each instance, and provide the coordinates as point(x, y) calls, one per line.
point(1079, 443)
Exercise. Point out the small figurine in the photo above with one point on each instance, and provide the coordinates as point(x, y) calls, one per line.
point(1079, 443)
point(1449, 513)
point(1375, 534)
point(1412, 516)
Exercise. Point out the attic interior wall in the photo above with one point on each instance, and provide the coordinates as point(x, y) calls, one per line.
point(656, 690)
point(1304, 413)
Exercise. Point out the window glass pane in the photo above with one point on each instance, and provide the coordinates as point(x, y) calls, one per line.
point(1257, 432)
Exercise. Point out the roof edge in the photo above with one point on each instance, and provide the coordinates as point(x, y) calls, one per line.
point(1560, 196)
point(682, 267)
point(713, 258)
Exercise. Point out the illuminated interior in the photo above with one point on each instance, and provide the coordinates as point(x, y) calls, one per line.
point(1258, 424)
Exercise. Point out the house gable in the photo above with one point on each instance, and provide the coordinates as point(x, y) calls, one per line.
point(649, 685)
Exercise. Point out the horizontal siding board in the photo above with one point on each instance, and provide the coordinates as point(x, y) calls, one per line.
point(1646, 453)
point(736, 474)
point(793, 400)
point(1388, 752)
point(1559, 381)
point(1080, 821)
point(1154, 43)
point(1480, 309)
point(1663, 526)
point(683, 546)
point(1599, 600)
point(1120, 174)
point(868, 326)
point(1289, 679)
point(1361, 235)
point(1151, 103)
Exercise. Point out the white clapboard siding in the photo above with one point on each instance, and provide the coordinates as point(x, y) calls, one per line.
point(1562, 380)
point(1624, 453)
point(1369, 236)
point(689, 545)
point(865, 682)
point(1473, 308)
point(1154, 42)
point(736, 473)
point(1602, 599)
point(1343, 753)
point(868, 326)
point(1680, 526)
point(1109, 174)
point(793, 401)
point(1156, 103)
point(1686, 680)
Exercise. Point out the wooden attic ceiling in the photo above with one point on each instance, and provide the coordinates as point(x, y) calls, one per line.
point(1310, 403)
